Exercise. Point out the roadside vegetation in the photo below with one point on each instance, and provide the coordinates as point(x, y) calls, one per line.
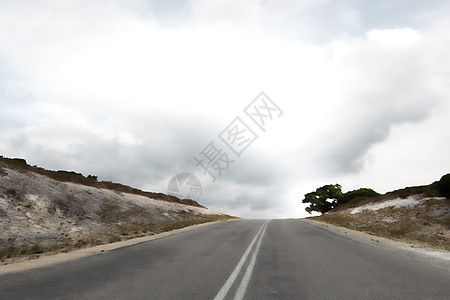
point(423, 218)
point(45, 212)
point(330, 196)
point(117, 233)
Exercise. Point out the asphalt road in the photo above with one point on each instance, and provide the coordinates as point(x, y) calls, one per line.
point(242, 259)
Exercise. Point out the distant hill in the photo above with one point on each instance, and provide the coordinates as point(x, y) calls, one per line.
point(416, 214)
point(51, 211)
point(21, 165)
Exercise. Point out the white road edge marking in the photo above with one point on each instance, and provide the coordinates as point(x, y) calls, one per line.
point(248, 273)
point(226, 287)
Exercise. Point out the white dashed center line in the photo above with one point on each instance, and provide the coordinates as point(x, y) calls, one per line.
point(246, 279)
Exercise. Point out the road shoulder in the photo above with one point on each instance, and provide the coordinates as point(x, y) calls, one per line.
point(437, 258)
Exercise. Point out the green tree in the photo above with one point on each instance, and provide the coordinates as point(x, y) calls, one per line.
point(324, 198)
point(330, 196)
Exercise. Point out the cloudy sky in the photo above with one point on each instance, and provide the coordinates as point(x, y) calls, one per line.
point(133, 91)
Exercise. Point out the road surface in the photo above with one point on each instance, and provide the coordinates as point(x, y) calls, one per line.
point(241, 259)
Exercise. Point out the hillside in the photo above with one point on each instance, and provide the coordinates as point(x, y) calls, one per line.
point(418, 214)
point(48, 211)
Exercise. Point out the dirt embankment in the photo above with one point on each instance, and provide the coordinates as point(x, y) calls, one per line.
point(414, 214)
point(426, 221)
point(41, 214)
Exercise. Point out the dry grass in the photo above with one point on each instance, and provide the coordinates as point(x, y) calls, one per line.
point(427, 223)
point(70, 217)
point(117, 233)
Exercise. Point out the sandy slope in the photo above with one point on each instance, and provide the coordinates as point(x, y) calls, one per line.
point(34, 208)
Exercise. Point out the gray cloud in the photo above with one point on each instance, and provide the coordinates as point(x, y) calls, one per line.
point(121, 98)
point(315, 21)
point(393, 88)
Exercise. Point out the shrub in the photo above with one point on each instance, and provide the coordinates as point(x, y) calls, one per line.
point(36, 249)
point(444, 186)
point(359, 193)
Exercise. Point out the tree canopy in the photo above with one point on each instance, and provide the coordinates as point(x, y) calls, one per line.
point(324, 198)
point(330, 196)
